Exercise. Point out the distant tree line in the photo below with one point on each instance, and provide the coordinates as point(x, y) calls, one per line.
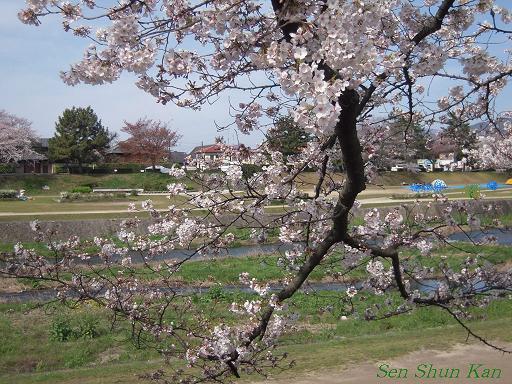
point(81, 138)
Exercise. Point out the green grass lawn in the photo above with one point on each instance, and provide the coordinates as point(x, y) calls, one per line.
point(29, 354)
point(44, 204)
point(73, 216)
point(157, 182)
point(451, 178)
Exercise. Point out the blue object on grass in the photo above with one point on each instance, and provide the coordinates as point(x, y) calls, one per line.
point(438, 185)
point(492, 185)
point(416, 188)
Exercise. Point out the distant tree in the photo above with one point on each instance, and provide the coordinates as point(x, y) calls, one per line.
point(413, 139)
point(401, 141)
point(16, 137)
point(149, 140)
point(459, 133)
point(287, 136)
point(79, 138)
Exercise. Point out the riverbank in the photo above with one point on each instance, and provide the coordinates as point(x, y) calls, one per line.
point(322, 345)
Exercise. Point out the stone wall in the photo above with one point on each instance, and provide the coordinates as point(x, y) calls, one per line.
point(11, 232)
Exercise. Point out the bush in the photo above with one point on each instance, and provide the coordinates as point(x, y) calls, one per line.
point(7, 168)
point(117, 167)
point(82, 189)
point(100, 169)
point(400, 196)
point(67, 197)
point(61, 329)
point(7, 194)
point(87, 328)
point(215, 294)
point(472, 191)
point(250, 169)
point(61, 168)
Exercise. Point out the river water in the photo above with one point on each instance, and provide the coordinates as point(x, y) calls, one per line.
point(504, 237)
point(428, 285)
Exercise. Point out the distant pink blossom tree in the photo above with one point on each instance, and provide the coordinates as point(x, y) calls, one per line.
point(150, 141)
point(337, 67)
point(16, 137)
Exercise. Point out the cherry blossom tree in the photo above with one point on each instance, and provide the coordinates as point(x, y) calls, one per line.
point(494, 147)
point(16, 137)
point(149, 140)
point(337, 67)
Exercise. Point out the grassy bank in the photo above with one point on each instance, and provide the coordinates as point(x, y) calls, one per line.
point(399, 178)
point(30, 353)
point(50, 204)
point(451, 178)
point(33, 184)
point(33, 349)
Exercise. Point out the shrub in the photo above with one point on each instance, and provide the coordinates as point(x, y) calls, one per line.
point(61, 168)
point(117, 167)
point(61, 329)
point(7, 194)
point(215, 294)
point(67, 197)
point(472, 191)
point(82, 189)
point(100, 169)
point(7, 168)
point(424, 195)
point(250, 169)
point(87, 328)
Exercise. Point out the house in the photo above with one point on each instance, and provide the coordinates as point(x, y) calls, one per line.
point(444, 151)
point(118, 155)
point(35, 160)
point(177, 157)
point(215, 155)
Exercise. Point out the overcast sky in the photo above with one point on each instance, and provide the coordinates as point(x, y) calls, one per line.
point(32, 57)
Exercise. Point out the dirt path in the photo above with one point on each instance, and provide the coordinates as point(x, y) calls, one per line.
point(461, 357)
